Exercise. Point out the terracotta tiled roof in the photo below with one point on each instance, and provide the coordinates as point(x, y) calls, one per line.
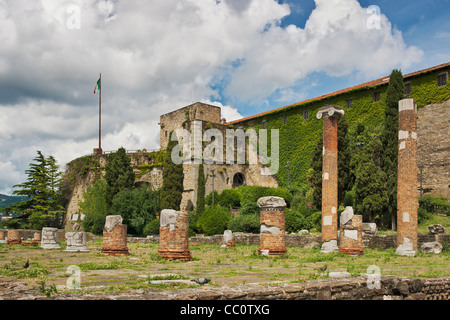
point(372, 83)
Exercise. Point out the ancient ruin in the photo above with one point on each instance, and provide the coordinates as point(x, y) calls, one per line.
point(2, 237)
point(350, 239)
point(229, 240)
point(407, 193)
point(330, 115)
point(272, 238)
point(49, 238)
point(76, 242)
point(174, 235)
point(14, 237)
point(114, 237)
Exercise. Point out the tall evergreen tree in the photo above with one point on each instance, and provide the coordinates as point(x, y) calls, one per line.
point(173, 177)
point(201, 182)
point(119, 174)
point(316, 176)
point(389, 161)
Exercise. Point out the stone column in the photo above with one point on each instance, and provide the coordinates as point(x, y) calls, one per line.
point(114, 237)
point(228, 239)
point(50, 238)
point(174, 235)
point(76, 242)
point(14, 237)
point(350, 240)
point(272, 238)
point(407, 194)
point(330, 115)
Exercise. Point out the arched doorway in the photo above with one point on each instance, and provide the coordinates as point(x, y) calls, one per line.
point(238, 180)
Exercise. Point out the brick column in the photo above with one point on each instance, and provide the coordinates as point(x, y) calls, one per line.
point(350, 238)
point(114, 237)
point(174, 235)
point(330, 115)
point(407, 193)
point(272, 238)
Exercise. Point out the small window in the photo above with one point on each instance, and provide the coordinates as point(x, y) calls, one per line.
point(442, 79)
point(305, 115)
point(165, 134)
point(349, 103)
point(377, 96)
point(284, 119)
point(407, 89)
point(263, 124)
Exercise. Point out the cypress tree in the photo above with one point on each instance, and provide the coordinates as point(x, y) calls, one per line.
point(173, 176)
point(119, 174)
point(316, 177)
point(389, 161)
point(345, 173)
point(201, 182)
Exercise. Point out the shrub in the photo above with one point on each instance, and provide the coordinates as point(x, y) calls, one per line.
point(208, 199)
point(229, 198)
point(435, 204)
point(152, 228)
point(296, 221)
point(245, 223)
point(250, 208)
point(214, 220)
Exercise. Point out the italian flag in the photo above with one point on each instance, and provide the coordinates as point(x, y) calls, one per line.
point(97, 86)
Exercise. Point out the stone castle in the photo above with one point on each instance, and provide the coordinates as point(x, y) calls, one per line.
point(430, 89)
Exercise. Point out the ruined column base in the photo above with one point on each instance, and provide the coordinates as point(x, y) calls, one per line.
point(180, 255)
point(77, 249)
point(229, 244)
point(351, 251)
point(272, 252)
point(329, 246)
point(14, 241)
point(30, 243)
point(405, 250)
point(3, 241)
point(115, 251)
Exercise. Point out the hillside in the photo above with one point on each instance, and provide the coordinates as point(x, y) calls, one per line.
point(8, 200)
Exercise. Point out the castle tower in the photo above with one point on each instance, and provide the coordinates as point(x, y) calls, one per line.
point(330, 115)
point(407, 195)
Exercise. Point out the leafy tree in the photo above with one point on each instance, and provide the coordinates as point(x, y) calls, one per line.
point(214, 220)
point(316, 175)
point(95, 207)
point(230, 198)
point(173, 176)
point(43, 191)
point(395, 92)
point(201, 182)
point(137, 206)
point(119, 174)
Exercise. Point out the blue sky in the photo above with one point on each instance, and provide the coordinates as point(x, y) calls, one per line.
point(246, 56)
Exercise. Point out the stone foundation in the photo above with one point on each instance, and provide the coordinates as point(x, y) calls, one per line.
point(114, 237)
point(174, 235)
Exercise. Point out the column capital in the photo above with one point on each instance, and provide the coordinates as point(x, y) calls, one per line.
point(271, 202)
point(329, 111)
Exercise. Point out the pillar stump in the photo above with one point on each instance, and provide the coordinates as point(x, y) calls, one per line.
point(350, 240)
point(49, 239)
point(14, 237)
point(272, 237)
point(228, 240)
point(37, 236)
point(2, 236)
point(407, 194)
point(330, 115)
point(76, 242)
point(114, 237)
point(174, 235)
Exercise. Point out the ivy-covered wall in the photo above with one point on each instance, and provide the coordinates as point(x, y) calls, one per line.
point(298, 136)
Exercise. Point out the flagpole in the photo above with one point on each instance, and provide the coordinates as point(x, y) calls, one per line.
point(100, 116)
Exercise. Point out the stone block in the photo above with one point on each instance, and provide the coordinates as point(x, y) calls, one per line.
point(436, 229)
point(76, 242)
point(431, 247)
point(50, 238)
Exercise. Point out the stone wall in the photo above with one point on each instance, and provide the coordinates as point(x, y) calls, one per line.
point(433, 149)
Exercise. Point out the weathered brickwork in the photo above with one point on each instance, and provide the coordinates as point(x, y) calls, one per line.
point(351, 240)
point(174, 236)
point(272, 239)
point(114, 237)
point(330, 116)
point(14, 237)
point(407, 193)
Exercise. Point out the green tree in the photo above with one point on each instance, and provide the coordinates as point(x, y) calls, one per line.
point(316, 175)
point(345, 174)
point(201, 182)
point(95, 207)
point(42, 188)
point(173, 177)
point(137, 206)
point(395, 92)
point(214, 220)
point(119, 174)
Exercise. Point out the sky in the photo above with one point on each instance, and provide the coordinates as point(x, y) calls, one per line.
point(246, 56)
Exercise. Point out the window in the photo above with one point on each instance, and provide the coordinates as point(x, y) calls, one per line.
point(407, 88)
point(305, 115)
point(263, 124)
point(377, 96)
point(284, 119)
point(349, 103)
point(165, 134)
point(442, 79)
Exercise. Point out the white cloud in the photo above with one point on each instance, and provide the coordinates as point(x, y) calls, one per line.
point(157, 56)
